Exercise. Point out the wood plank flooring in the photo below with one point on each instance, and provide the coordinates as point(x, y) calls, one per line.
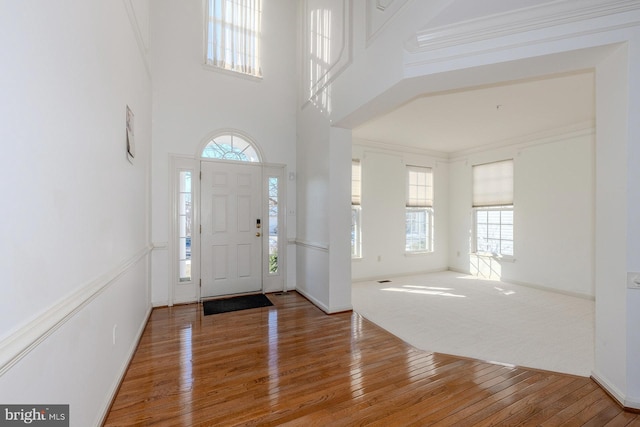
point(291, 364)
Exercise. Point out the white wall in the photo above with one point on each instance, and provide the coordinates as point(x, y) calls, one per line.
point(74, 231)
point(553, 214)
point(383, 213)
point(190, 102)
point(312, 241)
point(611, 341)
point(408, 56)
point(323, 275)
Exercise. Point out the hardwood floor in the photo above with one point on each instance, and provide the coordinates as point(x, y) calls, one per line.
point(291, 364)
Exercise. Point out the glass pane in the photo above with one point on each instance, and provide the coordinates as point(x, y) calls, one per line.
point(416, 230)
point(493, 246)
point(230, 147)
point(493, 231)
point(507, 232)
point(185, 270)
point(507, 247)
point(182, 248)
point(493, 217)
point(356, 237)
point(496, 234)
point(273, 224)
point(184, 226)
point(185, 182)
point(273, 254)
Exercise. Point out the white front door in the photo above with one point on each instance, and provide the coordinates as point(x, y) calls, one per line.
point(231, 237)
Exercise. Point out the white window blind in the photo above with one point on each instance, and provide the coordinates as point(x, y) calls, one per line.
point(356, 182)
point(233, 35)
point(419, 187)
point(493, 184)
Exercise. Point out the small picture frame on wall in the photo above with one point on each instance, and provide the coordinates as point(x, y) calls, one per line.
point(131, 146)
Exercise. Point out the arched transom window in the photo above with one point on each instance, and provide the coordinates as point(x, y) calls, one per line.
point(231, 146)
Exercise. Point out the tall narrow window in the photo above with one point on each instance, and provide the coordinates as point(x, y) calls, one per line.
point(273, 225)
point(419, 210)
point(493, 207)
point(356, 191)
point(233, 35)
point(185, 221)
point(320, 57)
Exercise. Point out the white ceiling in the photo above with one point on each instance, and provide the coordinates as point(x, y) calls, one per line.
point(462, 120)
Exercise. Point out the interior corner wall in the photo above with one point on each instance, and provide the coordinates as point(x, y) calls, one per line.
point(611, 343)
point(383, 214)
point(340, 220)
point(633, 224)
point(192, 101)
point(75, 229)
point(312, 235)
point(553, 215)
point(323, 245)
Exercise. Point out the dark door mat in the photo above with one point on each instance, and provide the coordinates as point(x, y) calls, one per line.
point(244, 302)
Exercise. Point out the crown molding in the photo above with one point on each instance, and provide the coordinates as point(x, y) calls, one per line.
point(517, 21)
point(539, 138)
point(543, 137)
point(396, 148)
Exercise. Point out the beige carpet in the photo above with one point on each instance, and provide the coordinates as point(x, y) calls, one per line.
point(462, 315)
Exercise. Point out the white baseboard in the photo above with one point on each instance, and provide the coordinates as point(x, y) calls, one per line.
point(615, 393)
point(123, 370)
point(321, 305)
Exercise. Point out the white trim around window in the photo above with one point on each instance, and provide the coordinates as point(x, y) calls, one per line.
point(493, 231)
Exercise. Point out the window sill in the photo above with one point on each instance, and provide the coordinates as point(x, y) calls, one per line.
point(497, 257)
point(239, 74)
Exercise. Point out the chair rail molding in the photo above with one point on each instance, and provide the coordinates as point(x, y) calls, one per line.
point(29, 336)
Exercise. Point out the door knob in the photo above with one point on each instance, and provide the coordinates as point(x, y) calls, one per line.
point(258, 234)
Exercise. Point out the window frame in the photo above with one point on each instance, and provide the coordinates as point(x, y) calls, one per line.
point(429, 215)
point(424, 204)
point(493, 191)
point(219, 64)
point(278, 224)
point(500, 209)
point(189, 217)
point(356, 209)
point(228, 148)
point(356, 231)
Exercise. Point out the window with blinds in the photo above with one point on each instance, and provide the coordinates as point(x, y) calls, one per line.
point(356, 210)
point(419, 210)
point(233, 35)
point(493, 208)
